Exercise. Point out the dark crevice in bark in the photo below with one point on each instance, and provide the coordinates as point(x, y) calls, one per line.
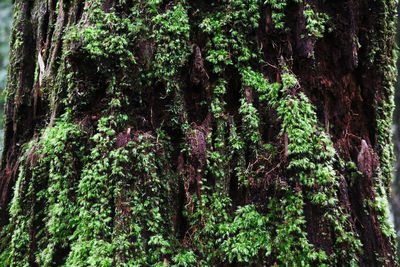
point(196, 103)
point(366, 222)
point(38, 223)
point(234, 190)
point(204, 5)
point(352, 116)
point(319, 230)
point(299, 43)
point(60, 255)
point(90, 91)
point(270, 129)
point(53, 63)
point(233, 94)
point(159, 114)
point(49, 33)
point(108, 5)
point(79, 12)
point(43, 25)
point(181, 225)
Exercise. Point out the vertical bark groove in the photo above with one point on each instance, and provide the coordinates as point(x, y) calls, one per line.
point(198, 133)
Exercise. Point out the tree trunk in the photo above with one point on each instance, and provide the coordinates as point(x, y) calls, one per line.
point(395, 204)
point(228, 132)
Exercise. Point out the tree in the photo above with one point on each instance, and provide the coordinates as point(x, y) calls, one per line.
point(5, 17)
point(224, 132)
point(396, 183)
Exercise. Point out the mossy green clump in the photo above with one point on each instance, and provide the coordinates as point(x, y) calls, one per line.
point(316, 22)
point(278, 8)
point(248, 236)
point(46, 197)
point(228, 29)
point(107, 35)
point(91, 241)
point(121, 192)
point(291, 243)
point(311, 158)
point(134, 229)
point(171, 30)
point(243, 237)
point(95, 212)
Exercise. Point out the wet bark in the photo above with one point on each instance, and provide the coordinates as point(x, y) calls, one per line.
point(395, 203)
point(199, 132)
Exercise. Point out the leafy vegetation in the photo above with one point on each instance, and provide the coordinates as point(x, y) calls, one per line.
point(106, 182)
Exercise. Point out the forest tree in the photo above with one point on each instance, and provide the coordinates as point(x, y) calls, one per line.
point(199, 133)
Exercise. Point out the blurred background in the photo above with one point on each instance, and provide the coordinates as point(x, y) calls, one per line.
point(5, 26)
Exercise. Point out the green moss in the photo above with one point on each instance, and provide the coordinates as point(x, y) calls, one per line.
point(311, 152)
point(108, 35)
point(278, 14)
point(316, 22)
point(136, 225)
point(45, 196)
point(228, 29)
point(312, 159)
point(250, 121)
point(247, 236)
point(119, 207)
point(171, 30)
point(91, 241)
point(383, 54)
point(14, 90)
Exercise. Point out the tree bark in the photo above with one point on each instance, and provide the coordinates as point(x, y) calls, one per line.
point(199, 132)
point(395, 205)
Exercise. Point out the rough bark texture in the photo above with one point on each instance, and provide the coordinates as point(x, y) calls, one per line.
point(225, 132)
point(395, 203)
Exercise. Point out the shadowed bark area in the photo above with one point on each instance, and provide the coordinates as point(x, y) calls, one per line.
point(220, 133)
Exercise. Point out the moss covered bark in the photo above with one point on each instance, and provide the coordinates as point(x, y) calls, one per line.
point(230, 132)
